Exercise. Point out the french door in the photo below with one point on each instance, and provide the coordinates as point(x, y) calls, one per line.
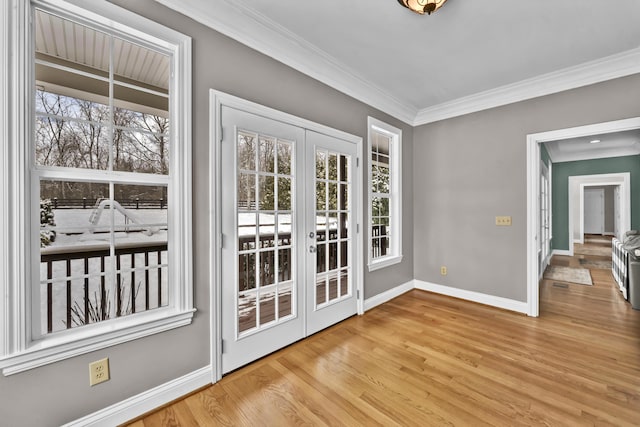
point(545, 216)
point(288, 223)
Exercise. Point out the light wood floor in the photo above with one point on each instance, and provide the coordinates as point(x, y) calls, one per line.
point(424, 359)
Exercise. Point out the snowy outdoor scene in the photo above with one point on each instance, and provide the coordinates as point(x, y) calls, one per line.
point(80, 256)
point(104, 249)
point(266, 246)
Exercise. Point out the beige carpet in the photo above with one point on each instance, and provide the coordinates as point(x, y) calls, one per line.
point(568, 274)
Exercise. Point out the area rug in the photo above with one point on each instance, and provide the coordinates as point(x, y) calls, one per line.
point(580, 276)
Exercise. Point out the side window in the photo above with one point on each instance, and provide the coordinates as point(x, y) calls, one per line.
point(102, 162)
point(106, 185)
point(385, 194)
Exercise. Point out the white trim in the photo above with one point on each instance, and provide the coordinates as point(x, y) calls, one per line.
point(215, 241)
point(12, 149)
point(253, 29)
point(562, 252)
point(217, 99)
point(85, 340)
point(384, 262)
point(6, 65)
point(395, 193)
point(360, 218)
point(491, 300)
point(146, 401)
point(622, 179)
point(533, 191)
point(21, 348)
point(388, 295)
point(603, 69)
point(533, 172)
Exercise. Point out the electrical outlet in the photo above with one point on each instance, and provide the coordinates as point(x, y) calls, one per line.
point(503, 220)
point(443, 270)
point(99, 371)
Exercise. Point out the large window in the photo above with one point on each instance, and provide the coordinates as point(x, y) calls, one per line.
point(385, 201)
point(103, 183)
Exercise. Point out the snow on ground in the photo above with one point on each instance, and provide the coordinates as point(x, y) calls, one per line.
point(75, 232)
point(73, 227)
point(247, 223)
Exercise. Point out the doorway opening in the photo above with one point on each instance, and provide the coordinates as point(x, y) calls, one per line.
point(615, 217)
point(534, 162)
point(286, 217)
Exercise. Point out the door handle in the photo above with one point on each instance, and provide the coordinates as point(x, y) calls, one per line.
point(312, 249)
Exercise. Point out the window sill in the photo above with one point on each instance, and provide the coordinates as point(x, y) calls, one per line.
point(87, 339)
point(384, 262)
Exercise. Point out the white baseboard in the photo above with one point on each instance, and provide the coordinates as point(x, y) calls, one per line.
point(385, 296)
point(146, 401)
point(563, 252)
point(499, 302)
point(149, 400)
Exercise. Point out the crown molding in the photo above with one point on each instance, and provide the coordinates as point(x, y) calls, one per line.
point(607, 68)
point(262, 34)
point(253, 29)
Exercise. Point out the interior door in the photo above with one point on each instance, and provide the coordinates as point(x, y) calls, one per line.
point(330, 231)
point(545, 216)
point(616, 212)
point(262, 266)
point(288, 222)
point(594, 211)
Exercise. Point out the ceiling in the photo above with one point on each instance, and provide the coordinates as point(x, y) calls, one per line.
point(612, 144)
point(61, 39)
point(468, 56)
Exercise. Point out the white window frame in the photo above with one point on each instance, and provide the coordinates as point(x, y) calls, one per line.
point(18, 350)
point(395, 204)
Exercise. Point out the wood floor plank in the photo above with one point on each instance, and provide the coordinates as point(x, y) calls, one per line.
point(426, 359)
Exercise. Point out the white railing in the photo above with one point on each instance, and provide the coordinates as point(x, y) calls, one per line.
point(620, 266)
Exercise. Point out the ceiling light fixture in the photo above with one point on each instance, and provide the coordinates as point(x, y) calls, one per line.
point(422, 6)
point(595, 141)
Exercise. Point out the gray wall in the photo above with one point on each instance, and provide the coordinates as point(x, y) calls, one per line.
point(60, 392)
point(471, 168)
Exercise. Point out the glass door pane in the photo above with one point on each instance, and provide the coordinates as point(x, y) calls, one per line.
point(264, 212)
point(333, 238)
point(331, 282)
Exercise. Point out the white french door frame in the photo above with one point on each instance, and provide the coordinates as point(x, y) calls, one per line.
point(217, 100)
point(544, 248)
point(533, 192)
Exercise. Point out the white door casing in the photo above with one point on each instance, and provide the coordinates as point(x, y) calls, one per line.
point(533, 191)
point(578, 183)
point(545, 216)
point(225, 219)
point(617, 203)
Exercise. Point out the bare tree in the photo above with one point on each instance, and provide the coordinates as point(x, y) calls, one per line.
point(79, 133)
